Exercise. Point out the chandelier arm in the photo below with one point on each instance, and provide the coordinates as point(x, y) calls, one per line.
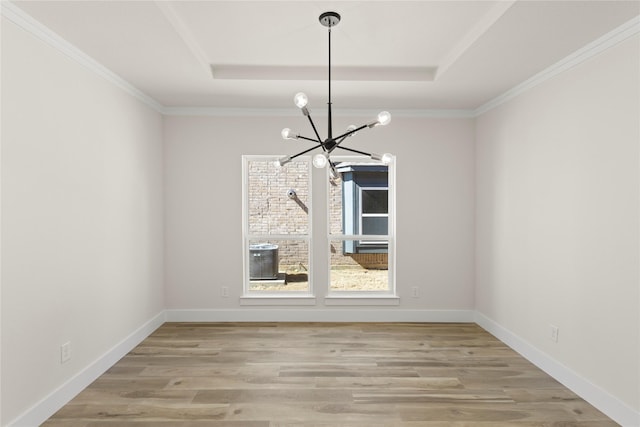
point(353, 151)
point(338, 141)
point(319, 140)
point(351, 132)
point(305, 151)
point(309, 139)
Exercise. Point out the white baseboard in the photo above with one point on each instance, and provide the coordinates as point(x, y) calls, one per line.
point(330, 315)
point(48, 406)
point(596, 396)
point(601, 399)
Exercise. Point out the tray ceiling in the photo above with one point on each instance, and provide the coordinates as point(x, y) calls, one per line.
point(409, 55)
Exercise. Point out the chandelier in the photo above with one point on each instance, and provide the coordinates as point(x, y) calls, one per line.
point(320, 160)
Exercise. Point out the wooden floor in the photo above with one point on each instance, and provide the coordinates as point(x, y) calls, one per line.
point(324, 375)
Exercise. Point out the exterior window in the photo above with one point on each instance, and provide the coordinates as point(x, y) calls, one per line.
point(374, 215)
point(276, 229)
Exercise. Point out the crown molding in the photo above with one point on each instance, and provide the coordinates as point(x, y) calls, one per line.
point(435, 113)
point(228, 111)
point(35, 28)
point(592, 49)
point(291, 112)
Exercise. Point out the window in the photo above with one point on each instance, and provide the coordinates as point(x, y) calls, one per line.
point(373, 213)
point(361, 229)
point(277, 237)
point(276, 227)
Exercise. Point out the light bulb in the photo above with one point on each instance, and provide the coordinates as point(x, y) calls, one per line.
point(288, 134)
point(350, 128)
point(384, 118)
point(300, 100)
point(320, 160)
point(385, 158)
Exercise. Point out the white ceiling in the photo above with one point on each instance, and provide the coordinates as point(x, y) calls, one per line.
point(421, 55)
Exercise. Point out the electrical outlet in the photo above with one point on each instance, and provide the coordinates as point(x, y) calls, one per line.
point(65, 352)
point(224, 291)
point(554, 333)
point(414, 292)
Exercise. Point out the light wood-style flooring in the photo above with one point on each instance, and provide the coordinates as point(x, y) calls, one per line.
point(325, 375)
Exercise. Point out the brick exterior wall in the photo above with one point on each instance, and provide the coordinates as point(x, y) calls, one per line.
point(271, 212)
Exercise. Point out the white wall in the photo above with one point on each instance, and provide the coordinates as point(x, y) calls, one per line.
point(558, 183)
point(557, 189)
point(81, 218)
point(203, 208)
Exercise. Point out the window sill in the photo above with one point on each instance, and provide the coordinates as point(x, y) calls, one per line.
point(264, 300)
point(362, 300)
